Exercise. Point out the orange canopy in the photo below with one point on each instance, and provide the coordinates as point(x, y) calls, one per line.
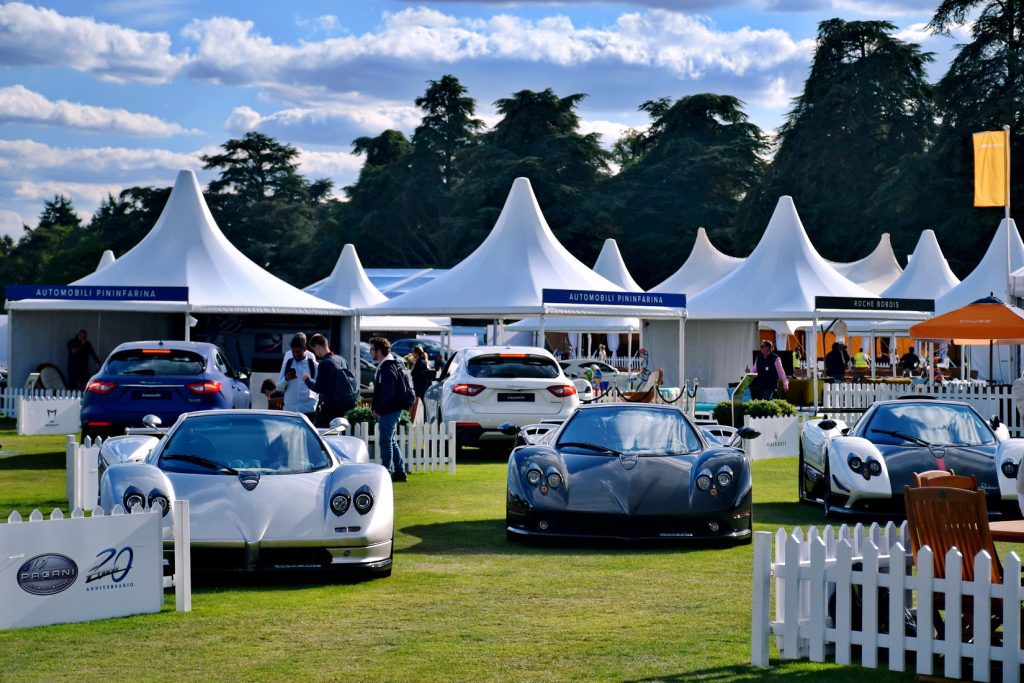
point(985, 321)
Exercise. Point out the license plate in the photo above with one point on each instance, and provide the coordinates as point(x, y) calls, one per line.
point(521, 398)
point(149, 395)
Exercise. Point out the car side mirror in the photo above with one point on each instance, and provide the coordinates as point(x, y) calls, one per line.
point(508, 429)
point(845, 431)
point(747, 433)
point(339, 425)
point(244, 373)
point(995, 422)
point(152, 421)
point(827, 425)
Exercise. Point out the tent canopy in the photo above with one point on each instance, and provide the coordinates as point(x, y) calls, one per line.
point(186, 249)
point(778, 281)
point(985, 321)
point(105, 260)
point(928, 275)
point(876, 271)
point(609, 264)
point(705, 266)
point(506, 275)
point(990, 275)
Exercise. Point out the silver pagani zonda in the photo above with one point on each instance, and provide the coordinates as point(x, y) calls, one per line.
point(265, 490)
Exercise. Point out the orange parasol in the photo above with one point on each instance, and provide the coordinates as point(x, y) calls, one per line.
point(984, 321)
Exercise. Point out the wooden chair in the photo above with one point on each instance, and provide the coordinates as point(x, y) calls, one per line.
point(647, 391)
point(943, 518)
point(948, 479)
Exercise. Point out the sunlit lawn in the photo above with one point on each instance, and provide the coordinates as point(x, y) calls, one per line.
point(462, 604)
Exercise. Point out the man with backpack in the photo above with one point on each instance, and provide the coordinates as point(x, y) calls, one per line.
point(392, 393)
point(337, 388)
point(297, 396)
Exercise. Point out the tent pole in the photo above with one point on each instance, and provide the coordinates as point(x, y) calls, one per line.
point(991, 377)
point(682, 352)
point(812, 361)
point(629, 357)
point(543, 337)
point(874, 355)
point(354, 346)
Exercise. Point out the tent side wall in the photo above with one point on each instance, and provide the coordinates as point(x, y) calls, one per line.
point(42, 336)
point(719, 351)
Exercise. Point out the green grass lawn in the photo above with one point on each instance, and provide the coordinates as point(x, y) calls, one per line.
point(462, 604)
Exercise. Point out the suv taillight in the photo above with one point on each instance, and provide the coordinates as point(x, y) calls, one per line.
point(562, 390)
point(468, 389)
point(204, 387)
point(100, 387)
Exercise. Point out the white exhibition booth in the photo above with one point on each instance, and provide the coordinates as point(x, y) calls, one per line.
point(505, 278)
point(184, 250)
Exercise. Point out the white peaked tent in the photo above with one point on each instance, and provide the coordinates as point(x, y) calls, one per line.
point(504, 277)
point(610, 264)
point(185, 248)
point(105, 260)
point(874, 272)
point(705, 266)
point(927, 276)
point(348, 285)
point(1005, 254)
point(778, 281)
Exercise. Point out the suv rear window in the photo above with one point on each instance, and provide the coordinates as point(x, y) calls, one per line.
point(512, 365)
point(156, 362)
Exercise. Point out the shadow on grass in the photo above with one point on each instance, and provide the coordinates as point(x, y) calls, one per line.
point(33, 461)
point(213, 582)
point(790, 671)
point(486, 537)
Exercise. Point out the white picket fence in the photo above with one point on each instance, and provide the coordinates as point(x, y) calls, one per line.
point(852, 570)
point(9, 398)
point(425, 447)
point(848, 401)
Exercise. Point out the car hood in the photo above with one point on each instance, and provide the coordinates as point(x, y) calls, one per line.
point(903, 461)
point(652, 485)
point(223, 510)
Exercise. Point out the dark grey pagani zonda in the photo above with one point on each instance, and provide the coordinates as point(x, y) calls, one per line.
point(628, 471)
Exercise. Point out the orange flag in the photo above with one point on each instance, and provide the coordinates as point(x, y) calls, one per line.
point(991, 151)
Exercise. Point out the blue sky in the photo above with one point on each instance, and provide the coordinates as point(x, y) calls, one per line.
point(98, 96)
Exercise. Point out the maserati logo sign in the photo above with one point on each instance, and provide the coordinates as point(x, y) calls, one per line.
point(51, 417)
point(629, 461)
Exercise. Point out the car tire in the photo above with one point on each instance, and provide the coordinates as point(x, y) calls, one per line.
point(801, 493)
point(826, 493)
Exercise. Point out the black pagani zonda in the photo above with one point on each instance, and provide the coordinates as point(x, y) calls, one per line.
point(628, 471)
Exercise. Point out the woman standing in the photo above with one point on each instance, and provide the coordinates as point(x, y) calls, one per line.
point(422, 377)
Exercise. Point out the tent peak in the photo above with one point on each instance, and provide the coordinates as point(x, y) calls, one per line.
point(611, 265)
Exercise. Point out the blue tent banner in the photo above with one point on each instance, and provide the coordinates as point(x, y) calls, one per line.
point(599, 298)
point(96, 293)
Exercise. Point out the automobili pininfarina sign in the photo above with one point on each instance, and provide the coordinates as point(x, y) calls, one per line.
point(96, 293)
point(600, 298)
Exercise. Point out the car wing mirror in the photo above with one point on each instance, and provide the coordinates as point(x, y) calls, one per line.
point(995, 422)
point(844, 431)
point(508, 429)
point(744, 434)
point(152, 421)
point(827, 425)
point(338, 425)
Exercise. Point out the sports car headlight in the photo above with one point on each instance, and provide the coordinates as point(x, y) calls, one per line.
point(856, 464)
point(874, 467)
point(554, 480)
point(1010, 469)
point(704, 480)
point(340, 502)
point(133, 497)
point(534, 476)
point(158, 498)
point(363, 502)
point(724, 477)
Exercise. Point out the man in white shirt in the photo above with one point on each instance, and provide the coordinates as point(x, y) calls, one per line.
point(297, 396)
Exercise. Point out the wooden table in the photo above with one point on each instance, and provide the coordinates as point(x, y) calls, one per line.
point(1011, 531)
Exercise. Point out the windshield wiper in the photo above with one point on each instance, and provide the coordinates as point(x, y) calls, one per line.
point(199, 460)
point(590, 446)
point(901, 435)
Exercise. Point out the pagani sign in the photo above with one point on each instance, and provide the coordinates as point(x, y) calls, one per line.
point(853, 303)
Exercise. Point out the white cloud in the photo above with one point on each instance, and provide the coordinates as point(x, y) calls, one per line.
point(339, 122)
point(11, 223)
point(777, 94)
point(18, 104)
point(341, 167)
point(610, 131)
point(28, 157)
point(231, 51)
point(38, 36)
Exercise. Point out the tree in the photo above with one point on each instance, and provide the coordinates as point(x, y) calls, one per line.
point(982, 90)
point(865, 110)
point(691, 168)
point(538, 137)
point(448, 126)
point(45, 253)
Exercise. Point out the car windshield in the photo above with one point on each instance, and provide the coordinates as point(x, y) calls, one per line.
point(933, 423)
point(513, 365)
point(231, 442)
point(157, 361)
point(647, 431)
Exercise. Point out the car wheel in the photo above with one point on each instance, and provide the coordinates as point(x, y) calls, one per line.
point(801, 493)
